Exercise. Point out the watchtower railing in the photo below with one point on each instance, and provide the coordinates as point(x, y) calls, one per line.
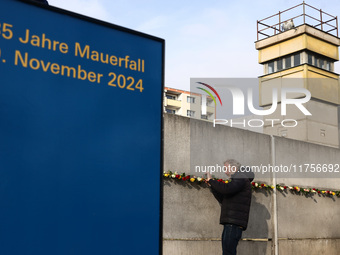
point(325, 22)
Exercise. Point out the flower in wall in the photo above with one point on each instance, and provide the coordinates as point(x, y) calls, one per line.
point(186, 178)
point(255, 185)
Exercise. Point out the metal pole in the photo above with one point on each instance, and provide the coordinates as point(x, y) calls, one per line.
point(321, 19)
point(275, 222)
point(304, 13)
point(279, 21)
point(257, 23)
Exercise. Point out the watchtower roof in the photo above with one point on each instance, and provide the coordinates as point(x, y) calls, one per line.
point(301, 14)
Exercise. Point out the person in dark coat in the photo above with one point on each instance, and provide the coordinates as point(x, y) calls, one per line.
point(234, 198)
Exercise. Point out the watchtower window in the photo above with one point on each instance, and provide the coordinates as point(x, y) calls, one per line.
point(304, 57)
point(310, 59)
point(279, 64)
point(319, 61)
point(288, 62)
point(283, 63)
point(297, 59)
point(271, 67)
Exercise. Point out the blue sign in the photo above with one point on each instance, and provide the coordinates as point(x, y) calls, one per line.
point(80, 134)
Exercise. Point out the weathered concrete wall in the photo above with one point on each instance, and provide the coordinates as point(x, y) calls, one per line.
point(176, 143)
point(306, 224)
point(296, 153)
point(191, 221)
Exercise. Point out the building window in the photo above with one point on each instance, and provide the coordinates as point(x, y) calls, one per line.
point(319, 61)
point(327, 65)
point(288, 62)
point(170, 111)
point(190, 113)
point(279, 64)
point(204, 117)
point(210, 102)
point(171, 97)
point(310, 59)
point(191, 100)
point(297, 60)
point(271, 67)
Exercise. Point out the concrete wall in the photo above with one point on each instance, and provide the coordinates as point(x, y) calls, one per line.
point(306, 224)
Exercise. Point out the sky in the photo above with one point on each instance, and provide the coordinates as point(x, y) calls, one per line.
point(204, 39)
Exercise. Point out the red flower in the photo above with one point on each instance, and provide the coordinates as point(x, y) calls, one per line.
point(253, 183)
point(285, 187)
point(262, 185)
point(319, 191)
point(220, 180)
point(177, 176)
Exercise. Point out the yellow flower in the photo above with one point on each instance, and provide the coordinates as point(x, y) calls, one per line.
point(226, 181)
point(333, 193)
point(272, 187)
point(323, 192)
point(297, 188)
point(166, 175)
point(192, 179)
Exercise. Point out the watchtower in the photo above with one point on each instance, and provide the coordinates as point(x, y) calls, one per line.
point(298, 48)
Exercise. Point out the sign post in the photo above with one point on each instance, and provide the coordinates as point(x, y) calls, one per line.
point(80, 134)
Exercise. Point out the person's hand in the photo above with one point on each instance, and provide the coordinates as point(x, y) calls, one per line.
point(208, 176)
